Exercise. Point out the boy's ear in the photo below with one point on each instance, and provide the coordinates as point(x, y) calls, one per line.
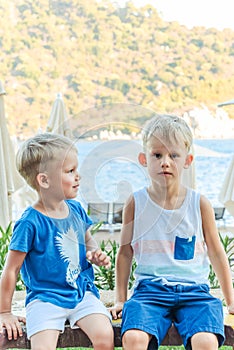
point(188, 161)
point(142, 159)
point(42, 180)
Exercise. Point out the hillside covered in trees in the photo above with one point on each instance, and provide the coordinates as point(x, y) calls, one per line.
point(96, 54)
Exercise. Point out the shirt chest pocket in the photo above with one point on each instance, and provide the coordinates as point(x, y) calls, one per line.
point(184, 248)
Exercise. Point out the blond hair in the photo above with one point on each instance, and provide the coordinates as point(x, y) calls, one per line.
point(167, 127)
point(34, 154)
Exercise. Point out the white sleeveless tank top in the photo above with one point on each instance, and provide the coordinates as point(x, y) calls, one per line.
point(169, 245)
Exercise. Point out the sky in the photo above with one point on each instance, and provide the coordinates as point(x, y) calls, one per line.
point(208, 13)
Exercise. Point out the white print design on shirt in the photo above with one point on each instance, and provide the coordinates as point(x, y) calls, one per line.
point(68, 246)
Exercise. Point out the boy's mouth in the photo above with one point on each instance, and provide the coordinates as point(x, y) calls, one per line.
point(165, 173)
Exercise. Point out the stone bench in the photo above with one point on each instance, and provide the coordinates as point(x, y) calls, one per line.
point(77, 338)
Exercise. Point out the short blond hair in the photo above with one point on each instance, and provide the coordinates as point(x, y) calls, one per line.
point(167, 127)
point(37, 151)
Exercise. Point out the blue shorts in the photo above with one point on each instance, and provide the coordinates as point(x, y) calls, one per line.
point(153, 307)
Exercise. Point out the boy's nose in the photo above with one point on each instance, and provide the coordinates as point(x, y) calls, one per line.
point(165, 161)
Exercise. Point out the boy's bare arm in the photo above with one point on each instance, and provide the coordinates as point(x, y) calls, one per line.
point(217, 255)
point(123, 269)
point(94, 254)
point(124, 259)
point(7, 286)
point(90, 242)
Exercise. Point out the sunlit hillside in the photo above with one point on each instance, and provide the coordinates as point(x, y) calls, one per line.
point(95, 54)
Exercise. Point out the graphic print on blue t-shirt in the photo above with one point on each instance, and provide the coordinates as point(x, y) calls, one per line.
point(68, 246)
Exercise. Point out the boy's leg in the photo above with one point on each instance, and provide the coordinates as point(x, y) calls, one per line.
point(199, 318)
point(146, 315)
point(95, 320)
point(44, 323)
point(99, 330)
point(45, 340)
point(135, 339)
point(204, 341)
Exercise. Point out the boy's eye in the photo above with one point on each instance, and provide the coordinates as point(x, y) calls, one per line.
point(173, 155)
point(157, 155)
point(71, 171)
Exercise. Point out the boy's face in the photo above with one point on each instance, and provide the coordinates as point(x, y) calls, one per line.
point(165, 160)
point(63, 175)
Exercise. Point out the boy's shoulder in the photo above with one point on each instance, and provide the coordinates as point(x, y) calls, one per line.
point(140, 192)
point(29, 219)
point(29, 214)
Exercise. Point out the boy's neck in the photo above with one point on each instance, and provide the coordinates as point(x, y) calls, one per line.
point(168, 198)
point(56, 210)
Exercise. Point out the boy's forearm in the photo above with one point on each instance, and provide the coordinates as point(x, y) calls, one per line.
point(90, 242)
point(227, 287)
point(223, 273)
point(7, 288)
point(123, 268)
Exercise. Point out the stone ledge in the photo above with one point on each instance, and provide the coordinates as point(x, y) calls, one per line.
point(77, 338)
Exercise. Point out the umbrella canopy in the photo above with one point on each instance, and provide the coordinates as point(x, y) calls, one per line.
point(226, 195)
point(10, 179)
point(230, 102)
point(58, 121)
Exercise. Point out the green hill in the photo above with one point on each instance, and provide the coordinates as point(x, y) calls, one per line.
point(96, 54)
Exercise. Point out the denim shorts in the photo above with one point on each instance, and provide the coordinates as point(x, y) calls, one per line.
point(153, 308)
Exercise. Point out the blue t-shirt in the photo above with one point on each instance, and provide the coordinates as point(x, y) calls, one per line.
point(55, 268)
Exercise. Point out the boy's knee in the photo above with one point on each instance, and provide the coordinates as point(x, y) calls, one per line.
point(135, 339)
point(204, 341)
point(104, 338)
point(107, 333)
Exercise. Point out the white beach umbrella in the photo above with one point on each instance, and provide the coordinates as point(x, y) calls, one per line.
point(58, 121)
point(230, 102)
point(226, 195)
point(10, 179)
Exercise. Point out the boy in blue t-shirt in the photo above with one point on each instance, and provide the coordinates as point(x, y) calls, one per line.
point(53, 247)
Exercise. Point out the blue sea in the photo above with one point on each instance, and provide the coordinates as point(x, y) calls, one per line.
point(113, 171)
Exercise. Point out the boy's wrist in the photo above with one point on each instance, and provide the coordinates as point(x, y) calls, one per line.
point(122, 301)
point(5, 311)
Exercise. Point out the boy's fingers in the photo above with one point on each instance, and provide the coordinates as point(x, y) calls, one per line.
point(98, 254)
point(114, 315)
point(13, 327)
point(16, 330)
point(9, 332)
point(119, 314)
point(108, 263)
point(22, 319)
point(88, 255)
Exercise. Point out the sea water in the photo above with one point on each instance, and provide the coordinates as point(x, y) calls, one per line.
point(115, 171)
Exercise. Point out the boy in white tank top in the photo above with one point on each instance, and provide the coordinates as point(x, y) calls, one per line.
point(170, 230)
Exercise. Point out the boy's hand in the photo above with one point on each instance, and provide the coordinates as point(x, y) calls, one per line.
point(231, 309)
point(12, 325)
point(99, 258)
point(116, 310)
